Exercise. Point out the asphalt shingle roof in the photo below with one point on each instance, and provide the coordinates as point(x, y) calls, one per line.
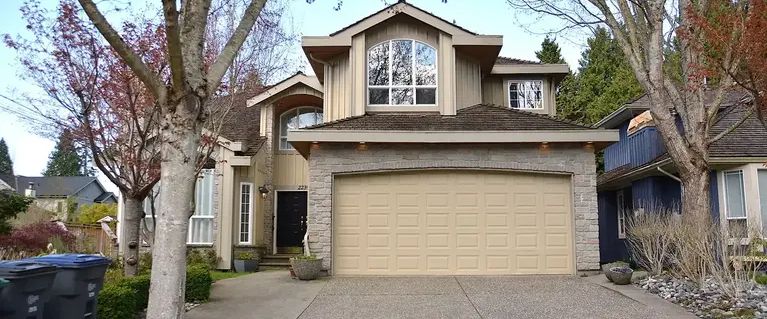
point(53, 185)
point(749, 139)
point(480, 117)
point(508, 60)
point(241, 123)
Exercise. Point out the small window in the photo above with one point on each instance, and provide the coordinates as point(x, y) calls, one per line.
point(526, 95)
point(735, 200)
point(297, 118)
point(246, 212)
point(402, 72)
point(621, 215)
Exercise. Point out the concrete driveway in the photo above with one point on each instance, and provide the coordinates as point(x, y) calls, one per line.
point(273, 295)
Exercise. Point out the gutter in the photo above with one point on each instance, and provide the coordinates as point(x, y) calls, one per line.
point(672, 176)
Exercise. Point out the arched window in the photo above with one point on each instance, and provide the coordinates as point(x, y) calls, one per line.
point(402, 72)
point(296, 118)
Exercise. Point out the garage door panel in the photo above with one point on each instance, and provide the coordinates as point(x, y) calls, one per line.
point(452, 222)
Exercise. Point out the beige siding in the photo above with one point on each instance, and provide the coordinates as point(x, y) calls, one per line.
point(494, 91)
point(338, 89)
point(290, 170)
point(401, 28)
point(446, 75)
point(359, 74)
point(468, 81)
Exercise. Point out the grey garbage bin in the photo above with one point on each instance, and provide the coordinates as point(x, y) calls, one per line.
point(77, 284)
point(28, 288)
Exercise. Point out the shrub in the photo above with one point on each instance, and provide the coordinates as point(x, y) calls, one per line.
point(650, 239)
point(761, 278)
point(205, 257)
point(91, 214)
point(198, 283)
point(10, 205)
point(33, 239)
point(140, 285)
point(246, 255)
point(117, 302)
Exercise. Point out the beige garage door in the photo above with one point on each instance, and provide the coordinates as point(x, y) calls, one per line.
point(445, 222)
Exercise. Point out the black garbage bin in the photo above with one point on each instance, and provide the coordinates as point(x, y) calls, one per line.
point(28, 288)
point(77, 284)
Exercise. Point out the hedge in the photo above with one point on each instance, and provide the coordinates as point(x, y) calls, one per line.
point(128, 296)
point(117, 302)
point(198, 282)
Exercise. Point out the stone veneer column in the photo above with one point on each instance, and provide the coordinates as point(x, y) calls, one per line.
point(267, 112)
point(578, 161)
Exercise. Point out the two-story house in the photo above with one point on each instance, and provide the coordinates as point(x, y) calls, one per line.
point(414, 150)
point(640, 176)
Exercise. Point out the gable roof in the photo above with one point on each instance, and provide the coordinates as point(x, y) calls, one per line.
point(401, 6)
point(105, 196)
point(298, 78)
point(54, 186)
point(480, 117)
point(746, 140)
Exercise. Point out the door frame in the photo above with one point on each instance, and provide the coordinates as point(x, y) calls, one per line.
point(276, 218)
point(571, 182)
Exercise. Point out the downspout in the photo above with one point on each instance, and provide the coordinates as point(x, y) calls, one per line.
point(672, 176)
point(326, 114)
point(307, 250)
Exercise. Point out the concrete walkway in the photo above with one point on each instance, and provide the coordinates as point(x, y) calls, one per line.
point(266, 294)
point(273, 295)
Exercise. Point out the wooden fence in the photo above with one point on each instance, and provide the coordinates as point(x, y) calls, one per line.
point(93, 239)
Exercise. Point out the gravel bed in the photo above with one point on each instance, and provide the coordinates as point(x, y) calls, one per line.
point(708, 301)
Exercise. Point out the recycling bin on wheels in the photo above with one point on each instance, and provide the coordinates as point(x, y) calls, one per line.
point(77, 284)
point(3, 283)
point(27, 290)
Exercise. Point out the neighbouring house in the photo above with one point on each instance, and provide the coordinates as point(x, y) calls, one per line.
point(57, 193)
point(415, 150)
point(640, 176)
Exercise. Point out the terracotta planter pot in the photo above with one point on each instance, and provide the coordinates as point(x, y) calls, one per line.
point(306, 269)
point(620, 276)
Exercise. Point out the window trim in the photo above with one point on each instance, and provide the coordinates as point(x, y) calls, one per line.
point(249, 213)
point(368, 86)
point(621, 212)
point(518, 81)
point(296, 111)
point(743, 195)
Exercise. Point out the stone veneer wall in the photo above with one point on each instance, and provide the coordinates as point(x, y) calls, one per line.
point(332, 159)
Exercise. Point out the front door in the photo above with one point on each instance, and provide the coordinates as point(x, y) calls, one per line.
point(291, 218)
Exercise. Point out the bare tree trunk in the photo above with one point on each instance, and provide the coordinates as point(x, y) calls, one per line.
point(181, 134)
point(132, 235)
point(696, 201)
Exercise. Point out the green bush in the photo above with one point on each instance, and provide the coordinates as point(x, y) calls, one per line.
point(205, 257)
point(198, 282)
point(761, 279)
point(139, 284)
point(117, 302)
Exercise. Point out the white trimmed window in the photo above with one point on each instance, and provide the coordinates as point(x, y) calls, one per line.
point(526, 95)
point(246, 212)
point(402, 72)
point(734, 195)
point(297, 118)
point(201, 223)
point(621, 215)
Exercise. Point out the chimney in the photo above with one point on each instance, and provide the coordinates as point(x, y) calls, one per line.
point(30, 191)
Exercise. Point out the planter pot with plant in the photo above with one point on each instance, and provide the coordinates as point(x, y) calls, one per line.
point(246, 261)
point(606, 268)
point(306, 267)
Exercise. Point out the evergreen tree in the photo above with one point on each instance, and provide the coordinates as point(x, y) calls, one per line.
point(550, 52)
point(66, 159)
point(604, 82)
point(6, 165)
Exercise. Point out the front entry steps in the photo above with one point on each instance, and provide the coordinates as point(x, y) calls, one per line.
point(276, 261)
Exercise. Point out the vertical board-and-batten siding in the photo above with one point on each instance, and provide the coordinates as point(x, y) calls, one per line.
point(468, 81)
point(338, 89)
point(635, 149)
point(290, 170)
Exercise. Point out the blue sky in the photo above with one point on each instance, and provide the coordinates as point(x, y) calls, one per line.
point(30, 151)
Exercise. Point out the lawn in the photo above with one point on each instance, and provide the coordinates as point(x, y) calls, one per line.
point(218, 275)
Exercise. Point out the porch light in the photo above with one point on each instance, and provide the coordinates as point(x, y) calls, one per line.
point(544, 147)
point(589, 145)
point(315, 145)
point(362, 146)
point(263, 190)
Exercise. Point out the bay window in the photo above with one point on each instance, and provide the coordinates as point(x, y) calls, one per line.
point(402, 72)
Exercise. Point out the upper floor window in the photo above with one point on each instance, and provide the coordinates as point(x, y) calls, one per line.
point(297, 118)
point(402, 72)
point(526, 94)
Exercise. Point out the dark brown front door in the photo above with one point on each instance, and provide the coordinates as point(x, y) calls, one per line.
point(291, 218)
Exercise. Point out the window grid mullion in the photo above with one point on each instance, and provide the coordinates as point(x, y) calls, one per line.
point(413, 70)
